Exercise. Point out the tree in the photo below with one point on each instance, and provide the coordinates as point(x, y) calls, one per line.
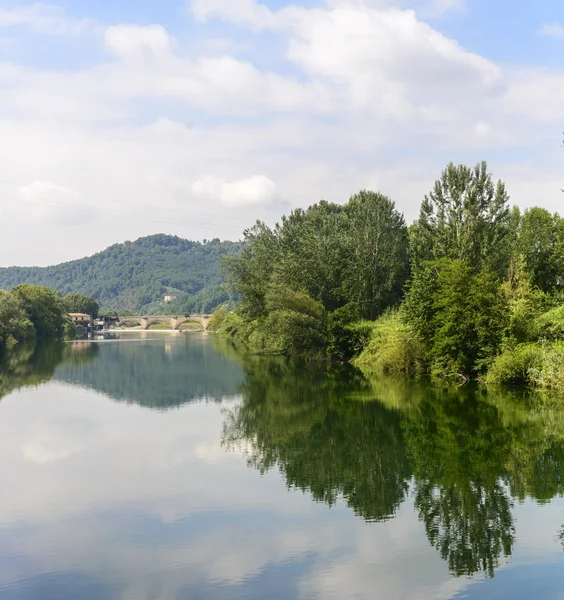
point(541, 242)
point(44, 309)
point(14, 322)
point(312, 253)
point(377, 253)
point(459, 316)
point(465, 217)
point(76, 302)
point(249, 273)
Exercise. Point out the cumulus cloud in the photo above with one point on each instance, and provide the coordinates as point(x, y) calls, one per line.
point(254, 190)
point(326, 100)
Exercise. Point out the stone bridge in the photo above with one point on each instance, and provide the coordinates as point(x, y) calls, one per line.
point(174, 322)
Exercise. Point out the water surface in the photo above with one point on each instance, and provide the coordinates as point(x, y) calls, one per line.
point(171, 467)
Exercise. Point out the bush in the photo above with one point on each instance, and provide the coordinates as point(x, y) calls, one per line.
point(539, 365)
point(343, 343)
point(550, 325)
point(393, 347)
point(514, 365)
point(550, 374)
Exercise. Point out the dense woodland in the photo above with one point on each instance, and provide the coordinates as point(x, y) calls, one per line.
point(473, 289)
point(135, 276)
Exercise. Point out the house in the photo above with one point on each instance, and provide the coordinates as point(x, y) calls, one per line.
point(169, 299)
point(80, 318)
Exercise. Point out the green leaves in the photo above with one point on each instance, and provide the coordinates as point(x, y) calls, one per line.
point(458, 315)
point(465, 217)
point(81, 303)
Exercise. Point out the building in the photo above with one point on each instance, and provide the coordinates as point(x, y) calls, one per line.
point(80, 318)
point(169, 299)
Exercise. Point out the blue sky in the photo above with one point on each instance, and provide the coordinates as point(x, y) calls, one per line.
point(196, 117)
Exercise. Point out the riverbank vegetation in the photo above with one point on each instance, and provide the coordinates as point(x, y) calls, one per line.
point(31, 312)
point(473, 289)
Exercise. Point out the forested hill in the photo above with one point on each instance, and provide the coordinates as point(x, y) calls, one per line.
point(135, 276)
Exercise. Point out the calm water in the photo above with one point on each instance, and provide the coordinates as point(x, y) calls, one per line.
point(173, 468)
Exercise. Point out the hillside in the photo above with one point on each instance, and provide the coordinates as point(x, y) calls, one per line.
point(135, 276)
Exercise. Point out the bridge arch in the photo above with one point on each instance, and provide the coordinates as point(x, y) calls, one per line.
point(133, 320)
point(199, 320)
point(167, 321)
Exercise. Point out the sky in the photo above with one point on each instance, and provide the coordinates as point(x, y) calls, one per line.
point(198, 117)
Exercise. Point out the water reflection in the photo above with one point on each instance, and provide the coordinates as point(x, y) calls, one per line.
point(159, 372)
point(467, 453)
point(33, 364)
point(107, 499)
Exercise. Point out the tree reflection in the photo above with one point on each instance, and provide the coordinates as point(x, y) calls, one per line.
point(299, 419)
point(468, 453)
point(34, 364)
point(158, 373)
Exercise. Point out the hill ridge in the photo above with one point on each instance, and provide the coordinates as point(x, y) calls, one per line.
point(136, 275)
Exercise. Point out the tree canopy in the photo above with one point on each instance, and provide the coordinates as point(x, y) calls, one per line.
point(135, 276)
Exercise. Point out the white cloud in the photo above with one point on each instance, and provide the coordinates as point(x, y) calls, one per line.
point(135, 42)
point(553, 30)
point(254, 190)
point(44, 19)
point(356, 94)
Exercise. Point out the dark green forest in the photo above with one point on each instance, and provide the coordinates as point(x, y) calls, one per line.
point(473, 289)
point(135, 276)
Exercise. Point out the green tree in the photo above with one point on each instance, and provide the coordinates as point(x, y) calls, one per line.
point(465, 217)
point(312, 255)
point(76, 302)
point(44, 309)
point(377, 253)
point(541, 241)
point(459, 316)
point(249, 273)
point(14, 322)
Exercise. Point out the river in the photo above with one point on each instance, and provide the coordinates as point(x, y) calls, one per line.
point(165, 467)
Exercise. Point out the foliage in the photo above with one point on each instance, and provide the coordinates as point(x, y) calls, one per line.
point(524, 301)
point(351, 260)
point(538, 364)
point(465, 217)
point(550, 325)
point(541, 242)
point(338, 255)
point(514, 365)
point(393, 347)
point(14, 322)
point(377, 253)
point(136, 276)
point(44, 309)
point(76, 302)
point(458, 315)
point(345, 336)
point(294, 325)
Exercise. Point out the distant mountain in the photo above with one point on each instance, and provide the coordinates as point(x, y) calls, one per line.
point(136, 276)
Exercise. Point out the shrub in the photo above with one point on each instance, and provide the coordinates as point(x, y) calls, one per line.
point(550, 325)
point(549, 375)
point(539, 365)
point(514, 365)
point(393, 348)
